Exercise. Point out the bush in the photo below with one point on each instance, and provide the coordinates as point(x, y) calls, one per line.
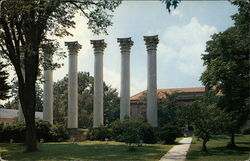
point(100, 133)
point(136, 129)
point(169, 133)
point(58, 132)
point(43, 130)
point(246, 131)
point(17, 131)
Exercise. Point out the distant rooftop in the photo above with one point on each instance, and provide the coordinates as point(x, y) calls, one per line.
point(161, 92)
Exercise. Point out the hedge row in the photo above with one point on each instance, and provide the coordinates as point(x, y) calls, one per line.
point(134, 131)
point(45, 131)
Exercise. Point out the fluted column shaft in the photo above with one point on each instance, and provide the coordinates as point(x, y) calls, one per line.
point(48, 89)
point(151, 44)
point(73, 48)
point(125, 46)
point(99, 46)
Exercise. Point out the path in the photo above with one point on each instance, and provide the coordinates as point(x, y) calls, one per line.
point(178, 152)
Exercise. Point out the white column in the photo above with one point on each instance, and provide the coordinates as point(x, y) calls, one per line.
point(73, 48)
point(125, 46)
point(20, 110)
point(151, 44)
point(99, 46)
point(48, 89)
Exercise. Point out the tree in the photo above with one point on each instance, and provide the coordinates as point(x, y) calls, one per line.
point(28, 23)
point(4, 87)
point(85, 101)
point(13, 104)
point(204, 115)
point(227, 69)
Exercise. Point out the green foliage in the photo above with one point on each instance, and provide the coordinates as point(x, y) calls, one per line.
point(17, 131)
point(58, 132)
point(43, 130)
point(4, 87)
point(205, 116)
point(168, 110)
point(85, 101)
point(132, 131)
point(169, 133)
point(171, 3)
point(100, 133)
point(227, 68)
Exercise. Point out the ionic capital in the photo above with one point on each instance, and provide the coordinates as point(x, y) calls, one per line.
point(98, 45)
point(73, 47)
point(151, 42)
point(125, 44)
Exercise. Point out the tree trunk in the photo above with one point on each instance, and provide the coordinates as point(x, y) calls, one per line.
point(27, 97)
point(232, 144)
point(204, 147)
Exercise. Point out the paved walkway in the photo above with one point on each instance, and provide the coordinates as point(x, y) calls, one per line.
point(178, 152)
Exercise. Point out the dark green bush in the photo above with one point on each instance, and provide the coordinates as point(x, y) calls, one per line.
point(43, 130)
point(169, 133)
point(17, 131)
point(100, 133)
point(246, 131)
point(58, 132)
point(136, 129)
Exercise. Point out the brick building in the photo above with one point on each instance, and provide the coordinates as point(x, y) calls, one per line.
point(184, 96)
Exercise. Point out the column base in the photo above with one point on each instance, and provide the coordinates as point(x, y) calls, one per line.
point(76, 134)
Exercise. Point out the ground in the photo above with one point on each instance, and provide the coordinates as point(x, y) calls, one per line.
point(88, 150)
point(217, 149)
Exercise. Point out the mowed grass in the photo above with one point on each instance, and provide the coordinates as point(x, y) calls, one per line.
point(217, 150)
point(88, 150)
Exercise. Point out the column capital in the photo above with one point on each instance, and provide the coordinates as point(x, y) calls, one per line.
point(98, 45)
point(73, 47)
point(125, 44)
point(151, 42)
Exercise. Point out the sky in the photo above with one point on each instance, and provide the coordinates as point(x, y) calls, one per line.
point(182, 39)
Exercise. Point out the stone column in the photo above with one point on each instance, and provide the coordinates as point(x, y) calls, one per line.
point(48, 89)
point(20, 110)
point(125, 46)
point(73, 48)
point(99, 46)
point(151, 44)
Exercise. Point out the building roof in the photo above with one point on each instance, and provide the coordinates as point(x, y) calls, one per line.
point(162, 92)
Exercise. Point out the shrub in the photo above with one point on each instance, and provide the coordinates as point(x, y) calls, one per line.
point(100, 133)
point(16, 130)
point(136, 129)
point(43, 130)
point(58, 132)
point(246, 131)
point(169, 133)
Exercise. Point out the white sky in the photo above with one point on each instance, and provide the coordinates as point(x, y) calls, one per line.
point(183, 35)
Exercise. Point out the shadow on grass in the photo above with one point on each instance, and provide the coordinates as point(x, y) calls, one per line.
point(81, 151)
point(218, 151)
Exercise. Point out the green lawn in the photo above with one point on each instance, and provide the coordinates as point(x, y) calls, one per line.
point(217, 150)
point(88, 150)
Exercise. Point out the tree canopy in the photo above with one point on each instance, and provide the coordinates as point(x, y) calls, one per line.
point(227, 68)
point(4, 87)
point(85, 101)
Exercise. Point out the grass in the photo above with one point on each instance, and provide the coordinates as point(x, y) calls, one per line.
point(88, 150)
point(217, 150)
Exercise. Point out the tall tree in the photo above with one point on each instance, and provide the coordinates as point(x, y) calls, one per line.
point(4, 87)
point(227, 69)
point(27, 23)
